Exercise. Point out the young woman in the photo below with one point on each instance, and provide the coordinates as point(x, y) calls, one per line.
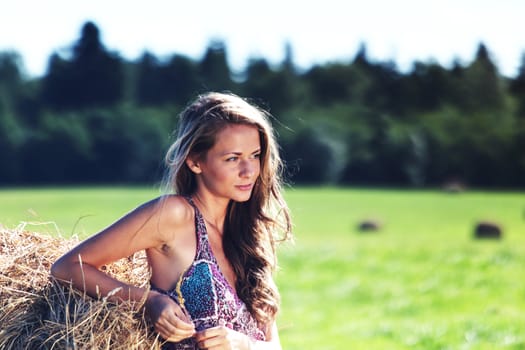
point(210, 242)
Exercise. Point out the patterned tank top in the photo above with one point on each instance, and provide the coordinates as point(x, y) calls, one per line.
point(206, 294)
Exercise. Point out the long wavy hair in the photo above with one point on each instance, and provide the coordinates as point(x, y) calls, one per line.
point(251, 228)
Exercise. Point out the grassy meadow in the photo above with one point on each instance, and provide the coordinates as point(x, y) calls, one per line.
point(421, 282)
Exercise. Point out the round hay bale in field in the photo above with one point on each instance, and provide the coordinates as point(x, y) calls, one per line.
point(488, 229)
point(369, 225)
point(454, 186)
point(37, 312)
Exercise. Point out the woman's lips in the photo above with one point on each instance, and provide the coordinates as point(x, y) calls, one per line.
point(244, 187)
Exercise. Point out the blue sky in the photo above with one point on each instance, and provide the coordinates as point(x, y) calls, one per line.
point(319, 31)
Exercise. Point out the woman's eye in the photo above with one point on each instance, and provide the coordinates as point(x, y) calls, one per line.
point(231, 159)
point(257, 156)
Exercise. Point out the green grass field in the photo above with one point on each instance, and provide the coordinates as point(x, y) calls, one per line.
point(421, 282)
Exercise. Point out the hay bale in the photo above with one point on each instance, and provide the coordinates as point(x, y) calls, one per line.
point(37, 312)
point(488, 229)
point(454, 186)
point(369, 225)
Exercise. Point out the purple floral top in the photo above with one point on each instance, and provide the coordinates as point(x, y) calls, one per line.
point(208, 297)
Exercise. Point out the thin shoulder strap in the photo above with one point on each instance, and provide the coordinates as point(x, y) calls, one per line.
point(203, 245)
point(192, 203)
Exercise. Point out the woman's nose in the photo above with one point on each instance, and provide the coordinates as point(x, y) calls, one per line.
point(247, 169)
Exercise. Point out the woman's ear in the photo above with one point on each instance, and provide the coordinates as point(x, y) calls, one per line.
point(193, 164)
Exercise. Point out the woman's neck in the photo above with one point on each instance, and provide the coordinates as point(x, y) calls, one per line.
point(212, 210)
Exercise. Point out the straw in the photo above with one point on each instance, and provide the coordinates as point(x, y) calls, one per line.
point(37, 312)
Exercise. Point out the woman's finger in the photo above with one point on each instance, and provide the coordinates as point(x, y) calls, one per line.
point(172, 333)
point(211, 332)
point(171, 327)
point(211, 337)
point(182, 320)
point(221, 337)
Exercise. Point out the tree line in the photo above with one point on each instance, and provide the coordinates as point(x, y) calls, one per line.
point(95, 117)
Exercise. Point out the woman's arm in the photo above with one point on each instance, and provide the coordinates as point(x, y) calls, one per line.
point(135, 231)
point(140, 229)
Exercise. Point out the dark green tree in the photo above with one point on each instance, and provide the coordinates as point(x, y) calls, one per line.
point(483, 86)
point(331, 83)
point(173, 82)
point(12, 133)
point(148, 86)
point(11, 67)
point(517, 88)
point(92, 77)
point(379, 85)
point(310, 158)
point(273, 88)
point(182, 79)
point(214, 69)
point(427, 87)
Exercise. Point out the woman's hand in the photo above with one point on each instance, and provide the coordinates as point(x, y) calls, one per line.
point(168, 318)
point(222, 338)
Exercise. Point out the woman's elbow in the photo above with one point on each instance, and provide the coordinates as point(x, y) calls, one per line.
point(61, 270)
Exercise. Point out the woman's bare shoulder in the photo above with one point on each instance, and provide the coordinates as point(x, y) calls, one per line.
point(174, 212)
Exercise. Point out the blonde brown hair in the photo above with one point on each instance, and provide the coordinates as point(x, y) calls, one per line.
point(251, 228)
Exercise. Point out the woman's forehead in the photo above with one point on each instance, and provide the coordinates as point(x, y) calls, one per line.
point(237, 137)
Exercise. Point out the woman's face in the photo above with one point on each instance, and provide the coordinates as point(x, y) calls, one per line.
point(231, 167)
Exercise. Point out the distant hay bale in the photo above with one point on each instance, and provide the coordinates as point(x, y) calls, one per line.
point(488, 229)
point(37, 312)
point(369, 225)
point(454, 187)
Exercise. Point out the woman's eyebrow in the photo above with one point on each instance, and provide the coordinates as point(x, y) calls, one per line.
point(238, 153)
